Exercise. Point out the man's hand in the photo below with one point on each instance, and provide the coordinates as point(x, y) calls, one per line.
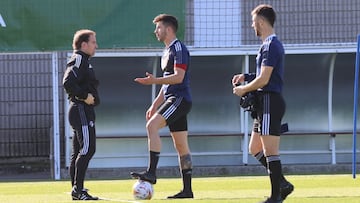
point(150, 112)
point(148, 80)
point(239, 91)
point(90, 99)
point(237, 79)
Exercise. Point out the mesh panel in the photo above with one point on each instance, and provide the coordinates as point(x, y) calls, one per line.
point(218, 23)
point(214, 23)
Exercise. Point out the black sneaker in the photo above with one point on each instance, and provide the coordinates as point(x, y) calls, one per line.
point(82, 195)
point(269, 200)
point(286, 189)
point(182, 195)
point(146, 176)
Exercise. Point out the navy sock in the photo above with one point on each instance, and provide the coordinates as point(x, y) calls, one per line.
point(262, 159)
point(186, 176)
point(274, 167)
point(154, 159)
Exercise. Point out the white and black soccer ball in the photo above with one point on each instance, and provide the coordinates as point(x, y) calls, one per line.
point(142, 190)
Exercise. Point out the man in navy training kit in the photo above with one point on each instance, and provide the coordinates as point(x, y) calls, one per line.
point(171, 106)
point(81, 85)
point(268, 83)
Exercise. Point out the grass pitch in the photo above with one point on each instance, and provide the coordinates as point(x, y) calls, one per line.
point(243, 189)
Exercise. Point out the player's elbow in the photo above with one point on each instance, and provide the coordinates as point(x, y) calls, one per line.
point(263, 81)
point(177, 79)
point(179, 76)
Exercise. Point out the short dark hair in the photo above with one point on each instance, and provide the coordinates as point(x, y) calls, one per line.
point(265, 11)
point(167, 20)
point(81, 36)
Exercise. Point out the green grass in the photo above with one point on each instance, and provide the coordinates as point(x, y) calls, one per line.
point(244, 189)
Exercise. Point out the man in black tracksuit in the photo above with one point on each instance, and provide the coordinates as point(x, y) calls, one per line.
point(81, 84)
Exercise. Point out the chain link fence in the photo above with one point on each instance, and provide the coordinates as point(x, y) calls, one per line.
point(217, 23)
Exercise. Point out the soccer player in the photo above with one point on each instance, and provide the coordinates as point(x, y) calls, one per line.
point(81, 85)
point(171, 106)
point(268, 82)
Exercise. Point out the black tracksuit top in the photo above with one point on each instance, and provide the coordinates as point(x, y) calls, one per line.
point(79, 78)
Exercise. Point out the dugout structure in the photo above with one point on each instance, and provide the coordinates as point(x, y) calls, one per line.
point(317, 91)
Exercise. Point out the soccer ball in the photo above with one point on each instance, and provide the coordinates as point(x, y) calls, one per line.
point(142, 190)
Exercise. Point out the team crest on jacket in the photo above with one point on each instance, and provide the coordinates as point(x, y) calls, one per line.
point(91, 124)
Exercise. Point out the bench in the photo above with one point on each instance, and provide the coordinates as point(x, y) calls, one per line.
point(244, 147)
point(332, 136)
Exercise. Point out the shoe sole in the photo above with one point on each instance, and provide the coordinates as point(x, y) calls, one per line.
point(188, 196)
point(138, 176)
point(77, 199)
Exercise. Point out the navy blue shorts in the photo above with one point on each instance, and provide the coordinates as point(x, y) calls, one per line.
point(270, 111)
point(175, 110)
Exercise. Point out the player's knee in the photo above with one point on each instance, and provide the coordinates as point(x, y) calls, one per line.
point(151, 129)
point(92, 152)
point(185, 162)
point(149, 125)
point(152, 126)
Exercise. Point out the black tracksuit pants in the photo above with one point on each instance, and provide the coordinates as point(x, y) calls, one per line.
point(82, 121)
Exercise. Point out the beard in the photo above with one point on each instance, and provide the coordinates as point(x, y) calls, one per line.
point(161, 37)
